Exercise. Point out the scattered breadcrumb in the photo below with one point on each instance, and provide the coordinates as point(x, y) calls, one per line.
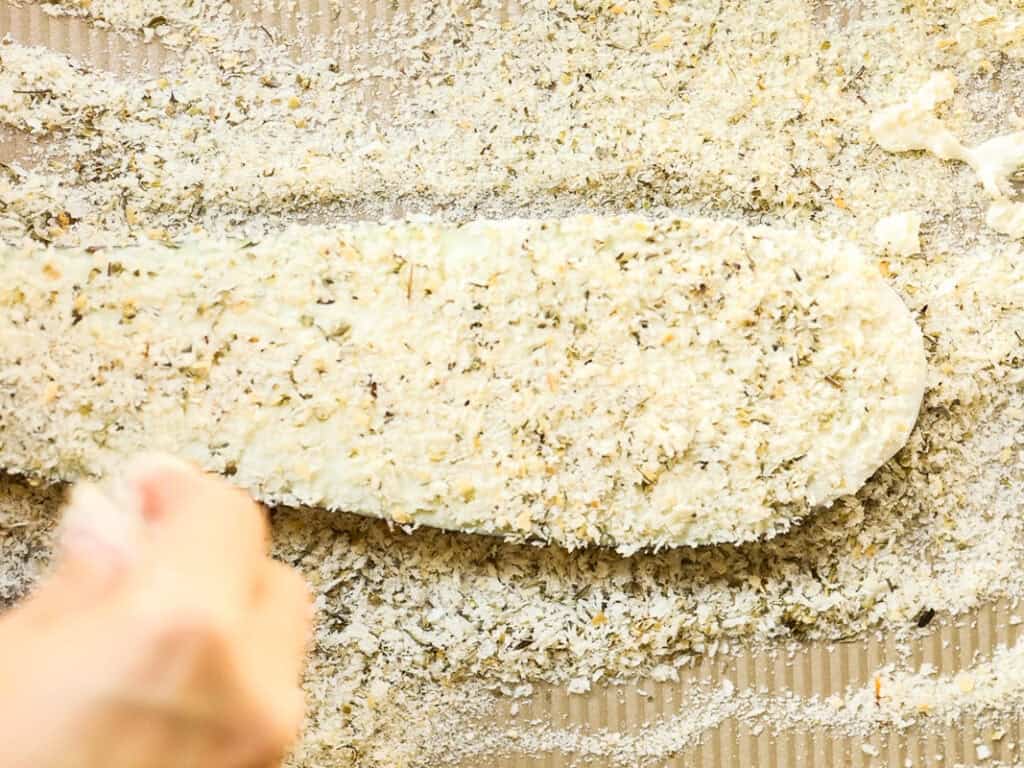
point(567, 107)
point(990, 691)
point(900, 233)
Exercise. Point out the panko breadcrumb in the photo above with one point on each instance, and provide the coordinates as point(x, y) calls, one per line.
point(622, 381)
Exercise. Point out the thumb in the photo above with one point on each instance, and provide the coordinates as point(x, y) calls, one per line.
point(104, 528)
point(95, 546)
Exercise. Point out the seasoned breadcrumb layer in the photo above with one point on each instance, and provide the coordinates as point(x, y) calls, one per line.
point(622, 381)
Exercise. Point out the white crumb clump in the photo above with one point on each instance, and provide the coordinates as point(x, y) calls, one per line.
point(1006, 217)
point(621, 381)
point(913, 125)
point(560, 108)
point(900, 233)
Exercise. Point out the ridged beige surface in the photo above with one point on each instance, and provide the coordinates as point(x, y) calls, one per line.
point(817, 669)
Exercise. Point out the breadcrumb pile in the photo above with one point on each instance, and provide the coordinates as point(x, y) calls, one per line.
point(563, 107)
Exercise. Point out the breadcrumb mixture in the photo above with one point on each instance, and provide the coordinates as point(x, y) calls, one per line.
point(564, 107)
point(617, 381)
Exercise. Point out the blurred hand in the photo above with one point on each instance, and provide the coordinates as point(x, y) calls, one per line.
point(166, 636)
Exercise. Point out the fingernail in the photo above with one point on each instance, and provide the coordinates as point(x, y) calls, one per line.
point(130, 488)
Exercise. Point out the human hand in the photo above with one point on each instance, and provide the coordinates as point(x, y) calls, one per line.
point(165, 636)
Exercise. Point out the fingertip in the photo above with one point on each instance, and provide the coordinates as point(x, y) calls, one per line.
point(154, 483)
point(96, 530)
point(162, 484)
point(210, 533)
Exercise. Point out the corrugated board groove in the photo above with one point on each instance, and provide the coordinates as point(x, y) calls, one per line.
point(815, 673)
point(385, 20)
point(996, 636)
point(600, 708)
point(914, 747)
point(725, 742)
point(565, 708)
point(837, 683)
point(328, 23)
point(746, 679)
point(621, 717)
point(79, 37)
point(1009, 635)
point(855, 674)
point(709, 673)
point(37, 24)
point(93, 45)
point(896, 747)
point(969, 653)
point(800, 673)
point(330, 20)
point(621, 706)
point(607, 712)
point(580, 710)
point(785, 745)
point(778, 751)
point(101, 48)
point(949, 650)
point(528, 712)
point(763, 680)
point(987, 640)
point(268, 17)
point(874, 655)
point(873, 659)
point(985, 631)
point(116, 59)
point(937, 656)
point(712, 753)
point(555, 712)
point(961, 652)
point(576, 709)
point(289, 24)
point(731, 732)
point(363, 21)
point(56, 36)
